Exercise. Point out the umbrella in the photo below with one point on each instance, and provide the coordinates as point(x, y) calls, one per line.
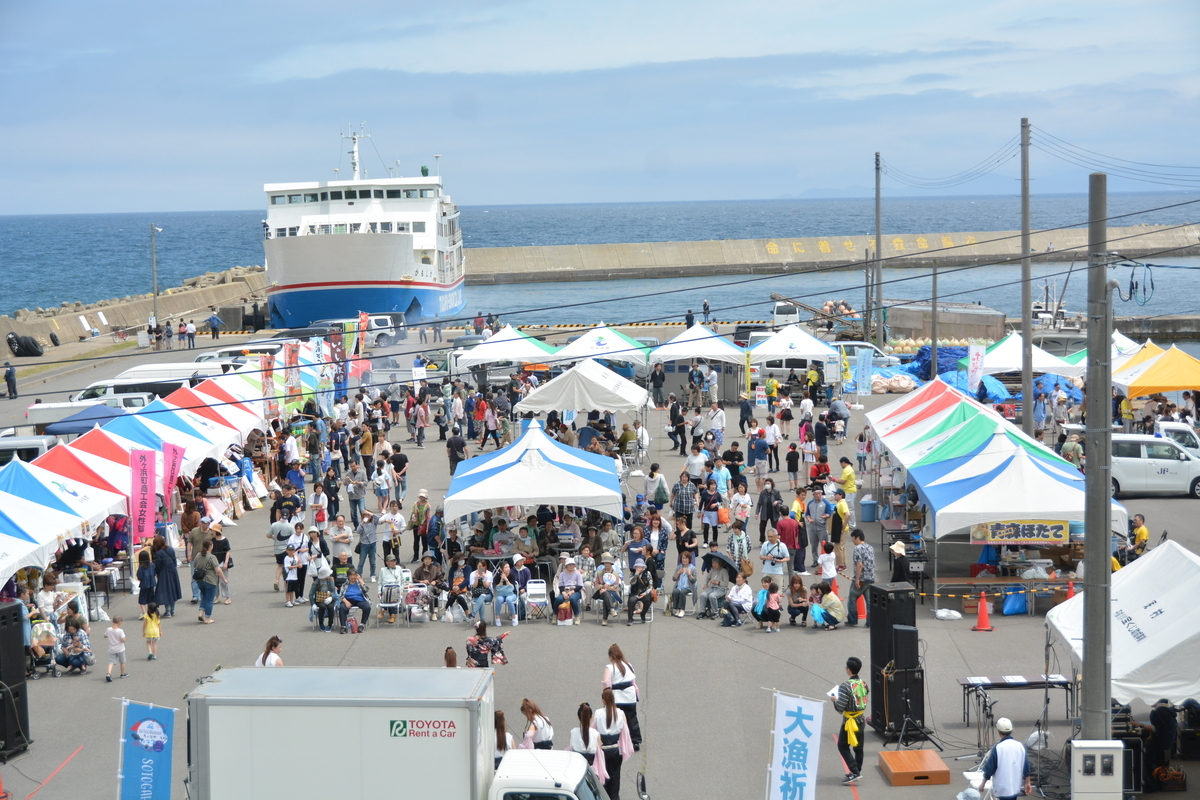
point(725, 561)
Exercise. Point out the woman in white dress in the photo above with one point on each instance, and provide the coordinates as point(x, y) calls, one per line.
point(586, 742)
point(619, 676)
point(615, 744)
point(504, 739)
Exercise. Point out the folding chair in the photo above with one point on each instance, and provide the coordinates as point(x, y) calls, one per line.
point(598, 604)
point(537, 602)
point(390, 600)
point(415, 603)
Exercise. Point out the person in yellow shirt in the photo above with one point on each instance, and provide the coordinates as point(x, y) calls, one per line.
point(772, 388)
point(797, 511)
point(1126, 414)
point(849, 482)
point(1141, 534)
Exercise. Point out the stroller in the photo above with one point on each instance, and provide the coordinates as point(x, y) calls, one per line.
point(416, 603)
point(44, 636)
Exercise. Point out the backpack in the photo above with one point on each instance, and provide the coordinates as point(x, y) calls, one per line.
point(858, 695)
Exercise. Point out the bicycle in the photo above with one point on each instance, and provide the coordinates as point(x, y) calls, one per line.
point(119, 335)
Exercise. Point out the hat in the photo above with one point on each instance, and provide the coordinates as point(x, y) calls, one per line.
point(639, 563)
point(518, 558)
point(607, 559)
point(314, 529)
point(324, 572)
point(840, 491)
point(897, 548)
point(563, 554)
point(423, 493)
point(205, 520)
point(390, 557)
point(743, 396)
point(641, 497)
point(295, 461)
point(428, 554)
point(291, 547)
point(1004, 725)
point(761, 433)
point(570, 560)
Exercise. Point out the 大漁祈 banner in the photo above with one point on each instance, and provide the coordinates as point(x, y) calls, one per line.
point(795, 748)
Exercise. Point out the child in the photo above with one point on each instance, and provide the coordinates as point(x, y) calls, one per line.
point(861, 448)
point(151, 631)
point(827, 561)
point(116, 647)
point(839, 431)
point(774, 607)
point(146, 579)
point(793, 466)
point(820, 473)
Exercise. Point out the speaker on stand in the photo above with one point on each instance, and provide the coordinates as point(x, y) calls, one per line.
point(14, 704)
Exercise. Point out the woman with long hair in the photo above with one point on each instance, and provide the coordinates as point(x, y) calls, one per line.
point(539, 733)
point(585, 741)
point(450, 660)
point(619, 676)
point(651, 485)
point(612, 726)
point(270, 654)
point(504, 739)
point(482, 648)
point(167, 588)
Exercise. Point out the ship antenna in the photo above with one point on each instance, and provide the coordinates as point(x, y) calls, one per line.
point(354, 137)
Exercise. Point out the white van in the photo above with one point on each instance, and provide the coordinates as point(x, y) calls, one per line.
point(185, 370)
point(785, 314)
point(25, 448)
point(1144, 464)
point(1183, 434)
point(246, 351)
point(102, 390)
point(381, 328)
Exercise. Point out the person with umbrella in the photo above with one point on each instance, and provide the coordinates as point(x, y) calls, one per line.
point(719, 570)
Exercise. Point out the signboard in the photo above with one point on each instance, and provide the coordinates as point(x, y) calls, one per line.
point(760, 396)
point(172, 462)
point(1049, 532)
point(142, 503)
point(147, 738)
point(291, 375)
point(862, 371)
point(419, 373)
point(266, 364)
point(795, 748)
point(974, 367)
point(363, 322)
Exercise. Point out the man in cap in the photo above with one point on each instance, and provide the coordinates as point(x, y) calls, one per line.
point(1007, 765)
point(758, 457)
point(10, 380)
point(640, 591)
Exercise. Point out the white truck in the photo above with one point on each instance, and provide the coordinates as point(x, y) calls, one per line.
point(422, 733)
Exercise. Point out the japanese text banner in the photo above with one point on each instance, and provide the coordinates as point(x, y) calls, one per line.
point(795, 748)
point(147, 735)
point(142, 503)
point(172, 463)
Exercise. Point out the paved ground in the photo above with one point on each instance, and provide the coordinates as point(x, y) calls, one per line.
point(706, 688)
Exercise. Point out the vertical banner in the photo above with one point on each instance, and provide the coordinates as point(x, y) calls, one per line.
point(172, 463)
point(142, 504)
point(147, 735)
point(266, 364)
point(974, 367)
point(291, 375)
point(760, 397)
point(363, 321)
point(795, 748)
point(862, 371)
point(337, 357)
point(348, 337)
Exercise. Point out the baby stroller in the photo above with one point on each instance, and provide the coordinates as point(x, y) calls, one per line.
point(44, 636)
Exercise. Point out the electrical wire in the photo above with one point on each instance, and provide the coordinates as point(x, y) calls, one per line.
point(1006, 153)
point(1132, 173)
point(1065, 143)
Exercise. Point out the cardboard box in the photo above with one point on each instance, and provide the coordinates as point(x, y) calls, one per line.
point(970, 605)
point(1059, 596)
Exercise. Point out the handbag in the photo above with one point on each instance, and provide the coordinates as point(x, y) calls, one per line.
point(89, 658)
point(319, 514)
point(358, 548)
point(199, 570)
point(660, 494)
point(722, 516)
point(746, 567)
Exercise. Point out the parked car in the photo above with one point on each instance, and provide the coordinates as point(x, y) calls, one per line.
point(1145, 464)
point(878, 357)
point(381, 328)
point(742, 333)
point(1183, 434)
point(785, 314)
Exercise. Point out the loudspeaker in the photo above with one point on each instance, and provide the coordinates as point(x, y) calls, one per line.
point(14, 720)
point(894, 696)
point(904, 647)
point(889, 604)
point(12, 643)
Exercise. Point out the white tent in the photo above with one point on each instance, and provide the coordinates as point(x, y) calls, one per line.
point(792, 342)
point(587, 386)
point(1155, 626)
point(604, 342)
point(699, 342)
point(535, 469)
point(1005, 356)
point(509, 344)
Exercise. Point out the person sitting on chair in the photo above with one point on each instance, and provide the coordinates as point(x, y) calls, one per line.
point(355, 595)
point(640, 591)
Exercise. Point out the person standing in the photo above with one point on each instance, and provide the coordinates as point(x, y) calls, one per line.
point(658, 379)
point(716, 421)
point(850, 702)
point(689, 319)
point(222, 550)
point(456, 449)
point(207, 572)
point(839, 526)
point(1007, 765)
point(612, 725)
point(10, 380)
point(774, 555)
point(214, 325)
point(678, 421)
point(169, 335)
point(167, 589)
point(683, 498)
point(621, 679)
point(864, 576)
point(116, 648)
point(816, 519)
point(356, 491)
point(368, 538)
point(191, 334)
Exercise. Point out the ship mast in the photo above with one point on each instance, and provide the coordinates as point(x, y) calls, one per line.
point(354, 137)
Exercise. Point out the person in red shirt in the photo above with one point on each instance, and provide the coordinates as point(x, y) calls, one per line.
point(789, 533)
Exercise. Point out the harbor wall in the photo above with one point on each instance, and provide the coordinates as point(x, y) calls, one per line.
point(192, 300)
point(599, 262)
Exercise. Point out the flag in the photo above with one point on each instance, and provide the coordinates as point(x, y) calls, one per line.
point(974, 367)
point(147, 736)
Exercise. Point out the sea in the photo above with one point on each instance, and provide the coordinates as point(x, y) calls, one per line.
point(49, 259)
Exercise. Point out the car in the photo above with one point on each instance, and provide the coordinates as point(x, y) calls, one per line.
point(742, 333)
point(381, 328)
point(1145, 464)
point(785, 314)
point(1183, 434)
point(878, 357)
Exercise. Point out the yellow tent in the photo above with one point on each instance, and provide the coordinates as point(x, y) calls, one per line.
point(1146, 351)
point(1169, 371)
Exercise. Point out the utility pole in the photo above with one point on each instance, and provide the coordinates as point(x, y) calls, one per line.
point(866, 315)
point(154, 268)
point(1097, 645)
point(1026, 290)
point(933, 348)
point(878, 308)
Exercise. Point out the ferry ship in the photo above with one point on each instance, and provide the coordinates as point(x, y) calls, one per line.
point(335, 248)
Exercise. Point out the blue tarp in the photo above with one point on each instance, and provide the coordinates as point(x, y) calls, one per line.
point(995, 389)
point(948, 358)
point(84, 420)
point(1047, 382)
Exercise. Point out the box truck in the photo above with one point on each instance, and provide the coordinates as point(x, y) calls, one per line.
point(422, 733)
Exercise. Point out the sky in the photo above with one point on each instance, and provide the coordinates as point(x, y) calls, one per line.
point(138, 106)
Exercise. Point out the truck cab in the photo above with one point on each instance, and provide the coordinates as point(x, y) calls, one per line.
point(546, 775)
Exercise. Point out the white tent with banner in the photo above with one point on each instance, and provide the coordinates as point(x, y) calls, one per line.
point(533, 470)
point(698, 342)
point(604, 342)
point(1155, 626)
point(508, 344)
point(1006, 356)
point(587, 386)
point(792, 342)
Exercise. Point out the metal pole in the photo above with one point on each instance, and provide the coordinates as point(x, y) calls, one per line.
point(1026, 290)
point(878, 309)
point(154, 269)
point(866, 315)
point(933, 348)
point(1097, 652)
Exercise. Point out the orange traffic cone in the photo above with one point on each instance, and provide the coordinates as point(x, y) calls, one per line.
point(1070, 589)
point(982, 623)
point(862, 607)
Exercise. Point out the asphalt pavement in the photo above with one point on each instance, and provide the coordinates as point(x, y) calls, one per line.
point(706, 690)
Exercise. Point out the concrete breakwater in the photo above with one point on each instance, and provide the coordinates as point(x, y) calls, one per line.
point(599, 262)
point(192, 300)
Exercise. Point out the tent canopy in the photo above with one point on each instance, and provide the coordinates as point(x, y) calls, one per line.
point(509, 344)
point(1169, 371)
point(84, 420)
point(1154, 655)
point(604, 342)
point(533, 470)
point(1005, 356)
point(586, 386)
point(792, 342)
point(699, 342)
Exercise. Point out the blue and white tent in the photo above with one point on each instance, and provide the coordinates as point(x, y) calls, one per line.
point(533, 470)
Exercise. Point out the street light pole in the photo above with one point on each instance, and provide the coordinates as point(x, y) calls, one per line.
point(154, 267)
point(1026, 291)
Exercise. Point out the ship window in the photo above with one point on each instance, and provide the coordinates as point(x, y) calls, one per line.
point(429, 193)
point(351, 194)
point(385, 227)
point(426, 260)
point(418, 227)
point(355, 227)
point(335, 195)
point(410, 192)
point(310, 198)
point(294, 198)
point(293, 231)
point(324, 196)
point(373, 227)
point(278, 200)
point(312, 229)
point(393, 194)
point(323, 229)
point(280, 232)
point(379, 194)
point(339, 227)
point(401, 227)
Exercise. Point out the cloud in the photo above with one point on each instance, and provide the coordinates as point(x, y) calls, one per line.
point(928, 77)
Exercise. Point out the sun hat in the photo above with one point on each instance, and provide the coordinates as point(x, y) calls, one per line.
point(897, 548)
point(423, 493)
point(570, 560)
point(518, 558)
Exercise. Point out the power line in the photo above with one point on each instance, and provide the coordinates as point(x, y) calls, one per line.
point(1111, 158)
point(1007, 152)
